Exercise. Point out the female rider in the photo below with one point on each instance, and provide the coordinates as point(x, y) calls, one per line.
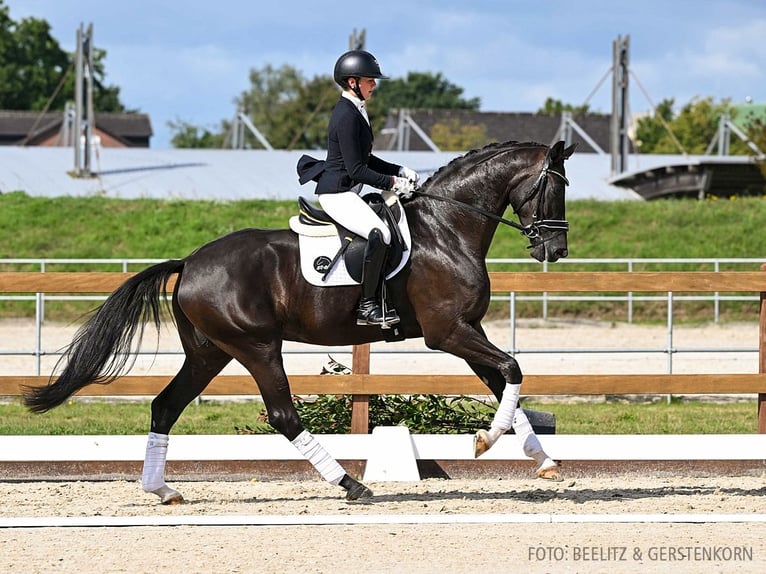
point(349, 165)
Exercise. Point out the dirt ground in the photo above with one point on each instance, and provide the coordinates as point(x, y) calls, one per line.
point(391, 543)
point(397, 546)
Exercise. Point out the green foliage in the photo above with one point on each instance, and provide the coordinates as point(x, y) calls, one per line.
point(292, 112)
point(303, 123)
point(264, 103)
point(98, 227)
point(652, 417)
point(553, 107)
point(93, 417)
point(420, 90)
point(33, 65)
point(455, 136)
point(331, 414)
point(186, 135)
point(693, 128)
point(67, 227)
point(661, 228)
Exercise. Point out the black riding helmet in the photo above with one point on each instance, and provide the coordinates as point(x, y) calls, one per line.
point(356, 64)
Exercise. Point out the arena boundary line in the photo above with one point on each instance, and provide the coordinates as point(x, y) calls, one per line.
point(368, 519)
point(38, 448)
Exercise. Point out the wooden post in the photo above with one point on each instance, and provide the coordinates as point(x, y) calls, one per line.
point(762, 359)
point(360, 404)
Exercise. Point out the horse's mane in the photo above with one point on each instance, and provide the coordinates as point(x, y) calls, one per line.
point(478, 155)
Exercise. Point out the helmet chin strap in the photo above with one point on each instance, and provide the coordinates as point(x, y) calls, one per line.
point(357, 90)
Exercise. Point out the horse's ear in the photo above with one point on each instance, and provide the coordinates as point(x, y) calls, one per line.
point(557, 152)
point(569, 151)
point(553, 153)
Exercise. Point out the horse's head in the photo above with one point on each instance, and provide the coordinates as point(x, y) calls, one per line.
point(541, 207)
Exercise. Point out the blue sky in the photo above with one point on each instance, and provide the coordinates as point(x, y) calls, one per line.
point(189, 59)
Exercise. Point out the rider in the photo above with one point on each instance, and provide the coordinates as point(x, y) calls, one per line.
point(349, 165)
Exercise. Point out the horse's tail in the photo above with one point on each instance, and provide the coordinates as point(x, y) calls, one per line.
point(102, 347)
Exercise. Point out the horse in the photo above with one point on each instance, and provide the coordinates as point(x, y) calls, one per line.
point(241, 295)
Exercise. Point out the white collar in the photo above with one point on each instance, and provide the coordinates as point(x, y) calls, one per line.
point(351, 96)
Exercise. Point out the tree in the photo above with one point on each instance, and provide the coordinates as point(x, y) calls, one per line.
point(455, 136)
point(419, 90)
point(272, 89)
point(756, 131)
point(553, 107)
point(37, 74)
point(292, 112)
point(306, 117)
point(190, 136)
point(651, 129)
point(690, 131)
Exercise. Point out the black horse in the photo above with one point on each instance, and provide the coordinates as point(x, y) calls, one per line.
point(241, 295)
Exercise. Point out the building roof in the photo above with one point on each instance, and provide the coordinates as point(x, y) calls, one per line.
point(502, 126)
point(694, 176)
point(225, 175)
point(28, 127)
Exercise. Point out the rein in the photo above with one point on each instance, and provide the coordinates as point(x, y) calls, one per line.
point(531, 231)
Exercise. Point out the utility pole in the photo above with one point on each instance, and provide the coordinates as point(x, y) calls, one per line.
point(84, 119)
point(357, 41)
point(620, 109)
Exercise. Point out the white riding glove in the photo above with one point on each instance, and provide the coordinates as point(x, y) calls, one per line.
point(409, 173)
point(403, 187)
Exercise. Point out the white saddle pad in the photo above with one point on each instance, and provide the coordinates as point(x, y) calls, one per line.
point(318, 252)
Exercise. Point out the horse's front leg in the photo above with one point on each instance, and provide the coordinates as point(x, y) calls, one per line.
point(547, 468)
point(472, 345)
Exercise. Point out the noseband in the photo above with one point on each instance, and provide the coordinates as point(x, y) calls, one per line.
point(532, 230)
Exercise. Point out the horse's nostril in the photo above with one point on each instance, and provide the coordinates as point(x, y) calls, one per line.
point(563, 252)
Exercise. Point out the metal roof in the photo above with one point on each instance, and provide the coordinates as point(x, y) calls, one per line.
point(227, 175)
point(694, 176)
point(17, 126)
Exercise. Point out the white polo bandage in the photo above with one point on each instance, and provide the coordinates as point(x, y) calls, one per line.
point(503, 419)
point(153, 475)
point(316, 454)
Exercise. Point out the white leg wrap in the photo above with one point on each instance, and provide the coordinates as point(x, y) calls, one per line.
point(153, 476)
point(326, 465)
point(503, 420)
point(529, 441)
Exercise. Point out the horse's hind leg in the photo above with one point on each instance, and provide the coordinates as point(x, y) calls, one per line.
point(203, 362)
point(264, 362)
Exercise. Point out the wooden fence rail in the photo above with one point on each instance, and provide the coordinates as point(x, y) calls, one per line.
point(361, 383)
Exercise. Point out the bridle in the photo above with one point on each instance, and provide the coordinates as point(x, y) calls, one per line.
point(530, 231)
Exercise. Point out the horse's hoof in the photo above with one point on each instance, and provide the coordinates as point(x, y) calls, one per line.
point(481, 443)
point(168, 495)
point(552, 473)
point(358, 492)
point(172, 499)
point(354, 489)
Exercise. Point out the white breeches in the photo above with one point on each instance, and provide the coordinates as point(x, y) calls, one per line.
point(353, 213)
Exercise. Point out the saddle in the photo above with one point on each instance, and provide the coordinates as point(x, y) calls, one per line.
point(332, 248)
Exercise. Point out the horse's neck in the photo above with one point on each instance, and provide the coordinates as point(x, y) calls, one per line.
point(443, 223)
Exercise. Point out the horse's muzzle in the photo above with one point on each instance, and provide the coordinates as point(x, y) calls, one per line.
point(551, 249)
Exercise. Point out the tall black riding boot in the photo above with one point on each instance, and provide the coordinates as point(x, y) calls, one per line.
point(369, 311)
